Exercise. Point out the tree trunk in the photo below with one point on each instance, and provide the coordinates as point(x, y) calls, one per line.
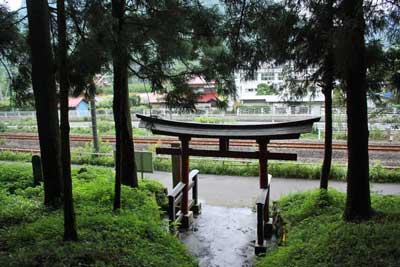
point(326, 165)
point(327, 88)
point(93, 116)
point(358, 202)
point(70, 232)
point(125, 169)
point(328, 79)
point(44, 89)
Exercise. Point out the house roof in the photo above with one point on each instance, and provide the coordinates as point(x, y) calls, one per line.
point(199, 80)
point(73, 102)
point(205, 98)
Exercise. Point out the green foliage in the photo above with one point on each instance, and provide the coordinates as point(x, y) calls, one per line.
point(134, 100)
point(31, 235)
point(279, 169)
point(265, 89)
point(318, 236)
point(135, 87)
point(5, 105)
point(378, 173)
point(15, 176)
point(206, 119)
point(377, 134)
point(3, 127)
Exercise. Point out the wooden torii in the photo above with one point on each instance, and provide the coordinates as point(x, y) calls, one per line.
point(262, 133)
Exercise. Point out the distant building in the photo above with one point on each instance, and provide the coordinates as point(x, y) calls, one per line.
point(246, 86)
point(206, 90)
point(80, 105)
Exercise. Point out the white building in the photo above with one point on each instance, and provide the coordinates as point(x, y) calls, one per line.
point(278, 103)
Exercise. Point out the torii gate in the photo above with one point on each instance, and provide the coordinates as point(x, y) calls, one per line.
point(261, 133)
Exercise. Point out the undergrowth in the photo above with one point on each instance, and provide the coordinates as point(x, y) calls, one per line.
point(31, 234)
point(81, 155)
point(317, 235)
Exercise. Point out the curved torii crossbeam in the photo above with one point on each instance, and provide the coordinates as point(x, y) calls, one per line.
point(262, 133)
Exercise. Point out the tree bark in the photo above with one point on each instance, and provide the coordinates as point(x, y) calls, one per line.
point(93, 116)
point(326, 165)
point(358, 202)
point(70, 233)
point(328, 80)
point(44, 89)
point(125, 169)
point(327, 88)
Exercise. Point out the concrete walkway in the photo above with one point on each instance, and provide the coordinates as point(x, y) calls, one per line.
point(240, 192)
point(223, 235)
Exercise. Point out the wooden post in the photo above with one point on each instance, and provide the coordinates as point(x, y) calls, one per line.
point(176, 167)
point(187, 216)
point(223, 144)
point(195, 196)
point(260, 243)
point(171, 212)
point(37, 169)
point(263, 163)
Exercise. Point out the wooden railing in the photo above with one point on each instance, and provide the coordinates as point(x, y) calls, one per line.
point(175, 214)
point(264, 224)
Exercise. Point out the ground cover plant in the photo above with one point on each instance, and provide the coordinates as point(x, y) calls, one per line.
point(279, 169)
point(104, 127)
point(31, 234)
point(317, 235)
point(81, 155)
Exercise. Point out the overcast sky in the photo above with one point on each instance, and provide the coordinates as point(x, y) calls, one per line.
point(12, 4)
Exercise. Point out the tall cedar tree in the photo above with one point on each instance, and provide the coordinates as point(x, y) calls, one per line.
point(70, 232)
point(125, 169)
point(91, 54)
point(280, 33)
point(327, 89)
point(358, 201)
point(93, 117)
point(44, 88)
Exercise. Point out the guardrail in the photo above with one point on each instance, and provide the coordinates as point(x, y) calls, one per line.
point(264, 223)
point(175, 214)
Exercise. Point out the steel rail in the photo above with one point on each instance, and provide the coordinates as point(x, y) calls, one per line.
point(214, 142)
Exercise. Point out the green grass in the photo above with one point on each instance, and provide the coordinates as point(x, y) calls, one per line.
point(31, 235)
point(280, 169)
point(318, 236)
point(81, 155)
point(213, 120)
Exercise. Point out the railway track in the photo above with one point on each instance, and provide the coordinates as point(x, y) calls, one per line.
point(214, 142)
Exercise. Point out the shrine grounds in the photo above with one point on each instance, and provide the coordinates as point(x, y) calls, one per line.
point(136, 236)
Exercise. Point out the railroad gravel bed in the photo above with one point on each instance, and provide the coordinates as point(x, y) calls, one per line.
point(389, 159)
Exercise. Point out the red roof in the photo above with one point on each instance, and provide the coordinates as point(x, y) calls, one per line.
point(73, 102)
point(198, 80)
point(205, 98)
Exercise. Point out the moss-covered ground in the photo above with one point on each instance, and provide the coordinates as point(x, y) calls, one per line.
point(31, 234)
point(317, 235)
